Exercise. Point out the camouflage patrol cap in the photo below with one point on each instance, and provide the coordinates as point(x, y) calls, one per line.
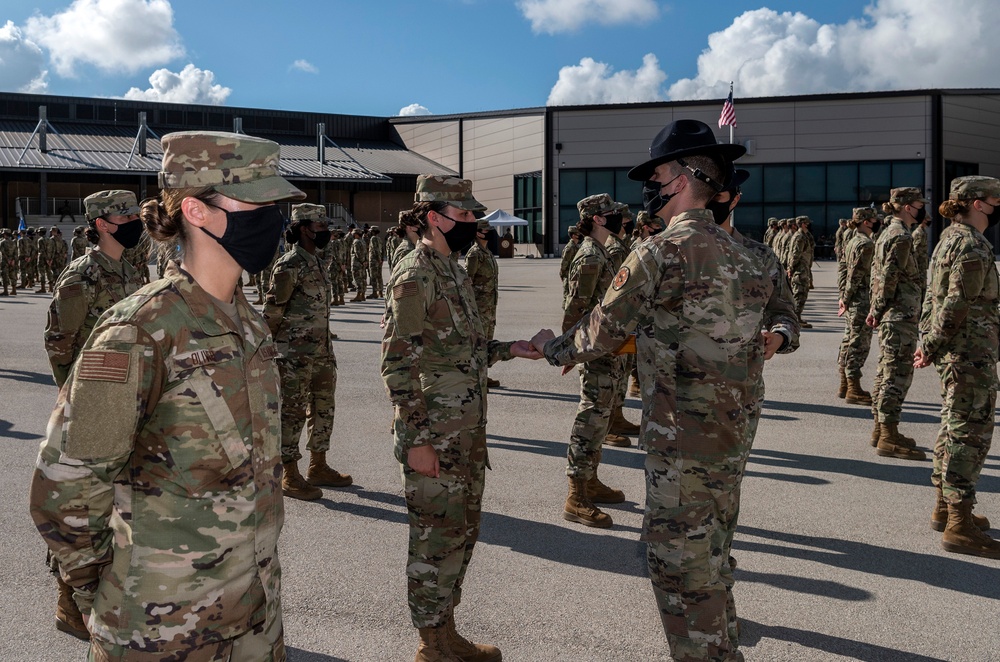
point(597, 205)
point(482, 225)
point(240, 167)
point(625, 210)
point(802, 219)
point(451, 190)
point(974, 187)
point(110, 203)
point(906, 195)
point(772, 222)
point(572, 230)
point(308, 212)
point(642, 218)
point(863, 214)
point(78, 229)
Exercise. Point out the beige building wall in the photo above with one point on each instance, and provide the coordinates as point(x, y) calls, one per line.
point(972, 130)
point(436, 140)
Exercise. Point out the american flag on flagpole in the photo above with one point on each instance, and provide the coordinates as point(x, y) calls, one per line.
point(728, 115)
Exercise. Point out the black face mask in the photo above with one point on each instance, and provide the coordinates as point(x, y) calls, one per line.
point(613, 223)
point(993, 217)
point(128, 234)
point(720, 210)
point(461, 235)
point(921, 214)
point(322, 238)
point(251, 236)
point(876, 226)
point(656, 229)
point(629, 227)
point(653, 198)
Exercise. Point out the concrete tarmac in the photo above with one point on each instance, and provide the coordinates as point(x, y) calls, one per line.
point(837, 560)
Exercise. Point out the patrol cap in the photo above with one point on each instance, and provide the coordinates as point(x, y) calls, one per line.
point(683, 138)
point(597, 205)
point(772, 222)
point(110, 203)
point(906, 195)
point(308, 212)
point(974, 187)
point(572, 230)
point(863, 214)
point(451, 190)
point(642, 218)
point(237, 166)
point(802, 219)
point(482, 225)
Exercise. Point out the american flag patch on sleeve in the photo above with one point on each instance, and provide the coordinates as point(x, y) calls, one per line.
point(104, 366)
point(403, 290)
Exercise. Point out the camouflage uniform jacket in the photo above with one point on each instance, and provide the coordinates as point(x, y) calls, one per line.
point(920, 252)
point(359, 253)
point(779, 313)
point(8, 253)
point(588, 280)
point(856, 291)
point(568, 253)
point(617, 252)
point(404, 249)
point(26, 251)
point(839, 245)
point(297, 305)
point(79, 246)
point(376, 249)
point(798, 252)
point(88, 287)
point(434, 353)
point(484, 274)
point(696, 301)
point(960, 320)
point(335, 252)
point(43, 251)
point(60, 253)
point(896, 285)
point(158, 488)
point(390, 246)
point(769, 236)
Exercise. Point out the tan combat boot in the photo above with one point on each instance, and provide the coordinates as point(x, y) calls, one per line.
point(492, 383)
point(890, 445)
point(621, 425)
point(598, 492)
point(321, 475)
point(855, 394)
point(435, 646)
point(295, 486)
point(633, 389)
point(617, 440)
point(962, 536)
point(68, 616)
point(41, 289)
point(939, 516)
point(842, 391)
point(876, 432)
point(579, 508)
point(466, 650)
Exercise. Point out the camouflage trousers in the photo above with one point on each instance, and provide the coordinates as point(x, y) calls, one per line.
point(264, 643)
point(375, 275)
point(45, 274)
point(626, 364)
point(28, 272)
point(336, 281)
point(690, 505)
point(598, 381)
point(489, 319)
point(358, 276)
point(308, 387)
point(800, 290)
point(969, 395)
point(444, 515)
point(857, 341)
point(8, 276)
point(897, 342)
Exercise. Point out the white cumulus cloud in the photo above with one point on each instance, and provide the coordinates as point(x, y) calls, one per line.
point(190, 85)
point(897, 44)
point(414, 109)
point(306, 66)
point(22, 62)
point(596, 82)
point(554, 16)
point(112, 35)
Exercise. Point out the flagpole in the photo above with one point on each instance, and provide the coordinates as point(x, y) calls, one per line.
point(731, 141)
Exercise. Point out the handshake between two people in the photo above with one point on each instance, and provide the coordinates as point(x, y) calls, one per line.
point(532, 349)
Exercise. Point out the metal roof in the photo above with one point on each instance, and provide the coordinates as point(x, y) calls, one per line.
point(101, 148)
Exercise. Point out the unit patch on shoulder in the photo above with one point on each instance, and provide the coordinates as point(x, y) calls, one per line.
point(621, 278)
point(104, 366)
point(403, 290)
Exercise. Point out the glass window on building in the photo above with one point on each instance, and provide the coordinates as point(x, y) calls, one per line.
point(528, 205)
point(575, 185)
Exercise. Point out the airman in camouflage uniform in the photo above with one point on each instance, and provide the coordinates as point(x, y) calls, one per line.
point(166, 436)
point(920, 252)
point(839, 245)
point(895, 310)
point(568, 253)
point(27, 256)
point(434, 361)
point(79, 243)
point(799, 266)
point(264, 276)
point(90, 285)
point(959, 332)
point(359, 264)
point(408, 241)
point(619, 427)
point(392, 239)
point(138, 257)
point(8, 262)
point(43, 260)
point(336, 252)
point(296, 309)
point(854, 304)
point(485, 277)
point(376, 249)
point(60, 253)
point(696, 301)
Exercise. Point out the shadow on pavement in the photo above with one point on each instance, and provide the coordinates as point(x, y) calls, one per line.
point(7, 432)
point(396, 515)
point(609, 454)
point(788, 478)
point(42, 378)
point(946, 571)
point(537, 394)
point(753, 632)
point(820, 587)
point(846, 411)
point(299, 655)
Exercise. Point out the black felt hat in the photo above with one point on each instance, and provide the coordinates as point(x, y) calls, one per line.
point(684, 138)
point(737, 178)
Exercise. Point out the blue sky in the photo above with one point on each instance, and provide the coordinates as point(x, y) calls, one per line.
point(447, 56)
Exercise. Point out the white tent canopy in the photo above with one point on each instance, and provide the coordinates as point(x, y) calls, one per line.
point(502, 218)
